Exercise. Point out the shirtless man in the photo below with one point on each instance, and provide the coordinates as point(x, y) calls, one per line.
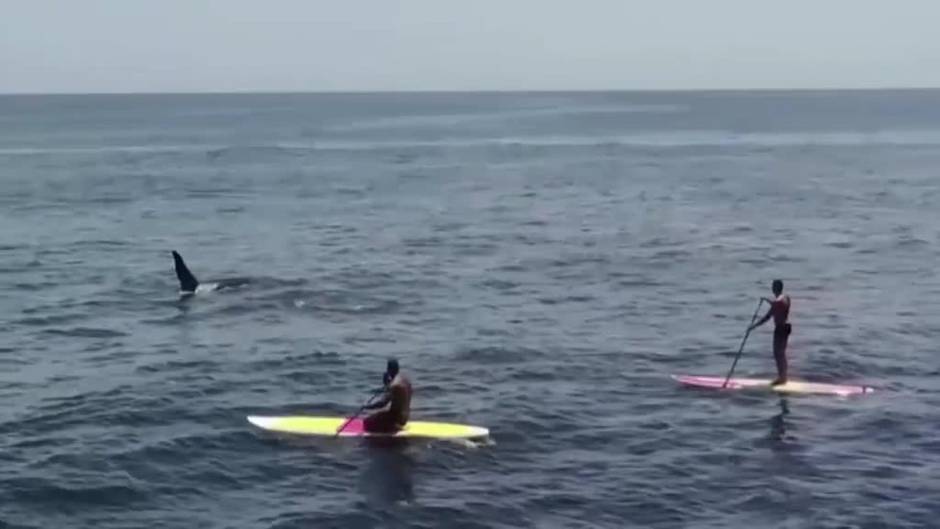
point(780, 310)
point(396, 403)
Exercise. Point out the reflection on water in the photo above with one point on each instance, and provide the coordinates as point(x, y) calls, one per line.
point(389, 475)
point(778, 426)
point(184, 305)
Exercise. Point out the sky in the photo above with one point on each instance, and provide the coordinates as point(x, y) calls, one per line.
point(80, 46)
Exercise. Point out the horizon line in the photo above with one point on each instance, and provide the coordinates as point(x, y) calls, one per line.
point(485, 91)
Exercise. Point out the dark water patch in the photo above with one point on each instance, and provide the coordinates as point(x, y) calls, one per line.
point(63, 378)
point(671, 255)
point(423, 242)
point(220, 192)
point(274, 341)
point(490, 333)
point(20, 269)
point(47, 442)
point(656, 242)
point(533, 223)
point(473, 248)
point(172, 366)
point(567, 299)
point(99, 243)
point(297, 360)
point(581, 259)
point(635, 279)
point(13, 247)
point(85, 332)
point(517, 267)
point(195, 387)
point(499, 284)
point(447, 227)
point(351, 191)
point(59, 406)
point(497, 355)
point(755, 261)
point(66, 499)
point(46, 321)
point(366, 340)
point(842, 245)
point(110, 200)
point(234, 153)
point(37, 286)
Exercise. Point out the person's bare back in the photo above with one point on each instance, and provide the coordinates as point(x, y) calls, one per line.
point(395, 407)
point(400, 406)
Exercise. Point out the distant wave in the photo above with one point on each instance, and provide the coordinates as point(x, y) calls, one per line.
point(703, 138)
point(463, 119)
point(107, 149)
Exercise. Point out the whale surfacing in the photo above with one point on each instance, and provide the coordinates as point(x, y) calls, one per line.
point(190, 286)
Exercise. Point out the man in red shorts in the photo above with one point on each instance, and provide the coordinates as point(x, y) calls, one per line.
point(396, 403)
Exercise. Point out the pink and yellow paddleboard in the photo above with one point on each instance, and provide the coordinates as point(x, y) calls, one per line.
point(792, 386)
point(327, 426)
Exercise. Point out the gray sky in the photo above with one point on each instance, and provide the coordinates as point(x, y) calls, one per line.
point(311, 45)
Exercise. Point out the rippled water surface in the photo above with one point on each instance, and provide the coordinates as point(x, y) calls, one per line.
point(540, 263)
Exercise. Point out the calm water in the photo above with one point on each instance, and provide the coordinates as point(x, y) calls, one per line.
point(540, 263)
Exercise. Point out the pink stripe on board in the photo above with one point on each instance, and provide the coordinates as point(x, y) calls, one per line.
point(354, 428)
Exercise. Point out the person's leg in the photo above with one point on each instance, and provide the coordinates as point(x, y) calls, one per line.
point(781, 336)
point(380, 422)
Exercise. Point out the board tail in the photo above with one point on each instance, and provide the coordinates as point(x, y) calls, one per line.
point(188, 282)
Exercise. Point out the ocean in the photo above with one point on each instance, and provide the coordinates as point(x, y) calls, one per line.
point(540, 264)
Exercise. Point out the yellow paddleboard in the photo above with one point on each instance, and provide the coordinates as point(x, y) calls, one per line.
point(327, 426)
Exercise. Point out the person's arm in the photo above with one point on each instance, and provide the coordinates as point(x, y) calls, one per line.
point(770, 312)
point(381, 403)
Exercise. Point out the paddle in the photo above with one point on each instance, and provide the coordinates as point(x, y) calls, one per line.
point(741, 349)
point(360, 410)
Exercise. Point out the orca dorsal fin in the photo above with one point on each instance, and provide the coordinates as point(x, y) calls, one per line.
point(188, 282)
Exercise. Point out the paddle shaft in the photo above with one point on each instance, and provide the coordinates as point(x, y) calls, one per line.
point(360, 410)
point(743, 341)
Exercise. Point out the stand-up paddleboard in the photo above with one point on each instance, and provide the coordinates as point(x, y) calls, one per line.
point(792, 386)
point(327, 426)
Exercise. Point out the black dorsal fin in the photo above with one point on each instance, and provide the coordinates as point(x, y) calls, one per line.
point(188, 281)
